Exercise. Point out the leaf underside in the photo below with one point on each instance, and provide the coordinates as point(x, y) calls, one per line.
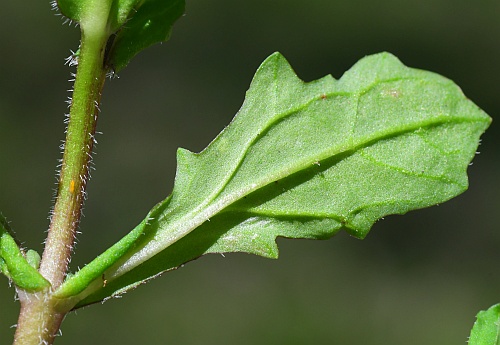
point(302, 160)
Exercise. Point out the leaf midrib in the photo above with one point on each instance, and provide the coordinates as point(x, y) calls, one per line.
point(187, 223)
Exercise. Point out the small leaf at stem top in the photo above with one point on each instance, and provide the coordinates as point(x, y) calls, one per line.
point(151, 24)
point(133, 25)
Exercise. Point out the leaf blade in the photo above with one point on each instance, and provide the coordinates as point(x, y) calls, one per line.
point(252, 162)
point(310, 159)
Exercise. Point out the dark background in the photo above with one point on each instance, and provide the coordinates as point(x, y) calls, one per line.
point(416, 279)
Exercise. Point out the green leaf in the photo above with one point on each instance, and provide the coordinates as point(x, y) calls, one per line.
point(303, 160)
point(132, 25)
point(486, 330)
point(15, 266)
point(150, 24)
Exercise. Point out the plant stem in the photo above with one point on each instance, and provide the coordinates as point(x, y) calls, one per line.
point(38, 321)
point(40, 316)
point(75, 164)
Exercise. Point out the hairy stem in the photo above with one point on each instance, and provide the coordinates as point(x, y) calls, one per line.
point(40, 316)
point(75, 164)
point(38, 322)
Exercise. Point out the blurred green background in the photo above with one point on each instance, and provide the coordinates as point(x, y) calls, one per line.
point(416, 279)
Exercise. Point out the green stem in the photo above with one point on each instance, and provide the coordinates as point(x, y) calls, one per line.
point(75, 165)
point(40, 317)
